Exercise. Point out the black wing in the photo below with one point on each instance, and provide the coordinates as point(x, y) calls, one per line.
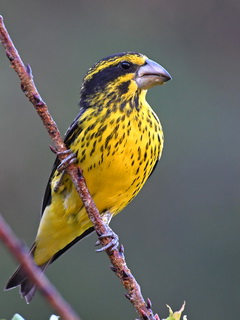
point(156, 163)
point(70, 136)
point(72, 132)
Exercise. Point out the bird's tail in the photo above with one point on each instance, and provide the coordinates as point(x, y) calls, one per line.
point(20, 278)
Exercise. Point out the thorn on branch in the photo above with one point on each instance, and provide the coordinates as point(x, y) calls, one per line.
point(29, 70)
point(144, 314)
point(53, 149)
point(113, 269)
point(149, 303)
point(121, 250)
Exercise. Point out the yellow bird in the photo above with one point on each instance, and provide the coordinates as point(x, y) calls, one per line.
point(117, 139)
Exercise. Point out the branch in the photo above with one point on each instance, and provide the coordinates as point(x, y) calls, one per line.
point(35, 274)
point(116, 256)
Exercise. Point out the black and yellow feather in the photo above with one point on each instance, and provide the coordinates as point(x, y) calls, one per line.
point(117, 139)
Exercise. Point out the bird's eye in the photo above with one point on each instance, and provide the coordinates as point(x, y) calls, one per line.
point(125, 65)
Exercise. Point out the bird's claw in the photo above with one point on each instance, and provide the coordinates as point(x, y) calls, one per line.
point(113, 244)
point(71, 158)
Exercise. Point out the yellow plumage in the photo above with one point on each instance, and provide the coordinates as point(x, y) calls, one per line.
point(117, 139)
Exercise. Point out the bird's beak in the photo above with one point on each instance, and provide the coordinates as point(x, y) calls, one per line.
point(151, 74)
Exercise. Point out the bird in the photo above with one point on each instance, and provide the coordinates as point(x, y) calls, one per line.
point(117, 140)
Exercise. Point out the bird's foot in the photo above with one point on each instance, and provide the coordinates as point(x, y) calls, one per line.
point(71, 158)
point(113, 243)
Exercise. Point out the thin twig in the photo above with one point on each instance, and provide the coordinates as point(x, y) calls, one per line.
point(35, 274)
point(116, 256)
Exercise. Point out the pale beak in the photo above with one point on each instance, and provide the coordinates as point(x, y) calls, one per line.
point(151, 74)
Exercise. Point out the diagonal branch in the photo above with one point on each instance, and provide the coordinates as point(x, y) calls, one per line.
point(22, 255)
point(116, 256)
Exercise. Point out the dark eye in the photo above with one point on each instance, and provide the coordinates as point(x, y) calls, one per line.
point(125, 65)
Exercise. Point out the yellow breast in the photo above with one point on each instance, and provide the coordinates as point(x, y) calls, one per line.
point(117, 151)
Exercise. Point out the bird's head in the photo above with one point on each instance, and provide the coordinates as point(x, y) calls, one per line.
point(121, 75)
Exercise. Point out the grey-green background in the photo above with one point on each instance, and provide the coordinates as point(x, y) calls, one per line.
point(181, 234)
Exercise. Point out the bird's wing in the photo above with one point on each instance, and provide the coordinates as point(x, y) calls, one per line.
point(70, 135)
point(155, 165)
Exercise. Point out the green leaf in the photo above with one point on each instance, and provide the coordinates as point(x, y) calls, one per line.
point(177, 314)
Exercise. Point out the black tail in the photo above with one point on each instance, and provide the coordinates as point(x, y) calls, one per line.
point(19, 278)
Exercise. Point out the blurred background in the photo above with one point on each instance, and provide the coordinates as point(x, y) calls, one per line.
point(181, 233)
